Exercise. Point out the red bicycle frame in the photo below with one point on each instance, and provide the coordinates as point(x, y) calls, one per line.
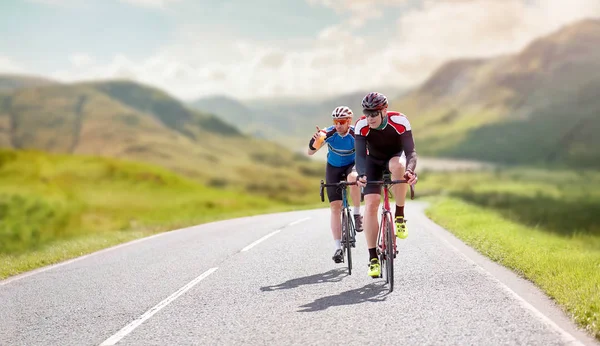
point(385, 213)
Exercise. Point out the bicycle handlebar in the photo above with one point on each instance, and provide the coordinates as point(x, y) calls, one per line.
point(386, 182)
point(375, 182)
point(392, 182)
point(340, 184)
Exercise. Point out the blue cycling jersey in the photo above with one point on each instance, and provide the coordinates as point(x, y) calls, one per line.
point(341, 148)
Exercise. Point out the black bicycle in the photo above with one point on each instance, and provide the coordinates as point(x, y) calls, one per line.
point(348, 228)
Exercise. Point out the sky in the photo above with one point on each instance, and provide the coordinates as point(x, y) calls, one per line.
point(250, 49)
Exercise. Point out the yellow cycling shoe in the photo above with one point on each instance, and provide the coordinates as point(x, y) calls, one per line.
point(374, 268)
point(401, 231)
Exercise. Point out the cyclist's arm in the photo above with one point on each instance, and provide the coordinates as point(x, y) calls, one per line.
point(408, 144)
point(326, 135)
point(311, 149)
point(360, 143)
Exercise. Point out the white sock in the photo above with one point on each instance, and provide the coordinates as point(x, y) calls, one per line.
point(356, 211)
point(338, 244)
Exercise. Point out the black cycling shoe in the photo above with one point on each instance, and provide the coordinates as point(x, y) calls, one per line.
point(358, 223)
point(338, 256)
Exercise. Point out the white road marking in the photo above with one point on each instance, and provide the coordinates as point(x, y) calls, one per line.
point(131, 326)
point(115, 247)
point(260, 240)
point(298, 221)
point(566, 336)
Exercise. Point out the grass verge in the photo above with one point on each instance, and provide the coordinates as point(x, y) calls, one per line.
point(546, 232)
point(56, 207)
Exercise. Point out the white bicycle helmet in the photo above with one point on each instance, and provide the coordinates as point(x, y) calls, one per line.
point(341, 112)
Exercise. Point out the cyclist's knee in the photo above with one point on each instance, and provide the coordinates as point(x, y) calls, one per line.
point(372, 203)
point(336, 206)
point(397, 167)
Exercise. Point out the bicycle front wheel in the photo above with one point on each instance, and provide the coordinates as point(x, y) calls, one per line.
point(346, 238)
point(389, 251)
point(350, 240)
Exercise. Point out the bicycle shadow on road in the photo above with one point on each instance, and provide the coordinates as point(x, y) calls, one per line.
point(334, 275)
point(374, 292)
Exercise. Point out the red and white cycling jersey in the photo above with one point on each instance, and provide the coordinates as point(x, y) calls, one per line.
point(382, 144)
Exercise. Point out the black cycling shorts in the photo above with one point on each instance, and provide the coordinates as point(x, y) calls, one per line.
point(335, 175)
point(374, 169)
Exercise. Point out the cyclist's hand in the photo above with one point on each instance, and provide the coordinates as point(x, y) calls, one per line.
point(319, 138)
point(316, 135)
point(411, 177)
point(361, 181)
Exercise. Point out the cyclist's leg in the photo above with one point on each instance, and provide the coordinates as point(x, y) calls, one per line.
point(333, 175)
point(374, 171)
point(355, 195)
point(397, 167)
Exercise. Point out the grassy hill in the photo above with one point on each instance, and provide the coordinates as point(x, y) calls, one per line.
point(539, 106)
point(235, 112)
point(58, 206)
point(127, 120)
point(10, 82)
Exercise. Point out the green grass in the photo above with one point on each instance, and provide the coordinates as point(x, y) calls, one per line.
point(134, 122)
point(545, 226)
point(55, 207)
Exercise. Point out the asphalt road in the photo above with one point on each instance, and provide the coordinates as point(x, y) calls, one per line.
point(270, 280)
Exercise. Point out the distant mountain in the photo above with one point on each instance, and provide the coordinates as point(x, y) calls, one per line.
point(290, 122)
point(167, 109)
point(246, 119)
point(129, 120)
point(539, 106)
point(9, 82)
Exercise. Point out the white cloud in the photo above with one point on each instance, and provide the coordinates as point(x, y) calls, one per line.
point(360, 10)
point(453, 28)
point(81, 60)
point(358, 6)
point(443, 30)
point(340, 58)
point(9, 66)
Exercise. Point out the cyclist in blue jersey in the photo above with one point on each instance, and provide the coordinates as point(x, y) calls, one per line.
point(340, 165)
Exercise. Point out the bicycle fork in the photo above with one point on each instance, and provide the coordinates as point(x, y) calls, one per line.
point(386, 218)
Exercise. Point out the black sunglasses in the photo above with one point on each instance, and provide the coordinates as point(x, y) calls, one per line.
point(372, 113)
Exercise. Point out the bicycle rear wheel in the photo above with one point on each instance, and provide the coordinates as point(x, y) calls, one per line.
point(350, 240)
point(381, 246)
point(346, 238)
point(389, 251)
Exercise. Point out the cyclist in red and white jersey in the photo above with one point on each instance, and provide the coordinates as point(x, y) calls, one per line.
point(381, 136)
